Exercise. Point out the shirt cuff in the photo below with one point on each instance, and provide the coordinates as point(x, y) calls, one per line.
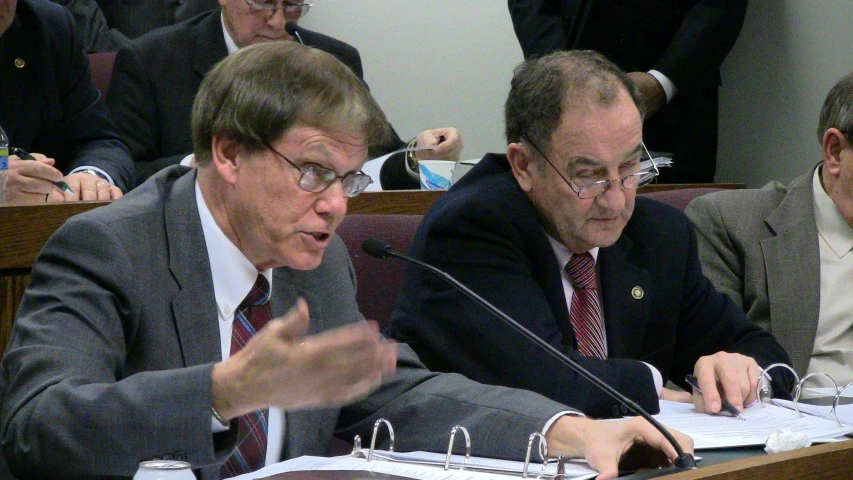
point(106, 175)
point(657, 378)
point(556, 417)
point(668, 87)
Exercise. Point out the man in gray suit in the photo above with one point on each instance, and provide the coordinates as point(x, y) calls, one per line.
point(784, 253)
point(120, 351)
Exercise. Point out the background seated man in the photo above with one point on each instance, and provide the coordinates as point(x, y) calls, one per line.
point(106, 25)
point(553, 234)
point(125, 350)
point(156, 77)
point(784, 253)
point(50, 109)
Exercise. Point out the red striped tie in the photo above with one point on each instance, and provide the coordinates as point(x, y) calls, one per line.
point(251, 451)
point(585, 311)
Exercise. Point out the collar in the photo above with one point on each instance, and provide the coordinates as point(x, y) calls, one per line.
point(831, 226)
point(563, 254)
point(229, 42)
point(233, 274)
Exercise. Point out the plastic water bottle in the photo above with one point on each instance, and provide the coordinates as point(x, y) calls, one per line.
point(4, 164)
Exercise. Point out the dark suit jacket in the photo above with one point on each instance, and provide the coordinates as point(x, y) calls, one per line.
point(485, 232)
point(106, 25)
point(117, 334)
point(48, 105)
point(686, 40)
point(155, 80)
point(760, 247)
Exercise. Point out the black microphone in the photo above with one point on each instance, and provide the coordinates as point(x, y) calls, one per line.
point(293, 30)
point(379, 249)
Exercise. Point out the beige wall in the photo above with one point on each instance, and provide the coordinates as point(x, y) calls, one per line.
point(448, 62)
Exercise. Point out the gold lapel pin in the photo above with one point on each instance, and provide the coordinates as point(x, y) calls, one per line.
point(20, 62)
point(637, 293)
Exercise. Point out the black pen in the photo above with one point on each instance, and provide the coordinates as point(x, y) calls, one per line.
point(726, 406)
point(23, 155)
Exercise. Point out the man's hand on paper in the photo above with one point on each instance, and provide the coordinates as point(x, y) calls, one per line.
point(447, 142)
point(731, 374)
point(605, 445)
point(281, 368)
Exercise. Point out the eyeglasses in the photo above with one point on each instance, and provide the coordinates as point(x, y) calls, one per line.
point(593, 190)
point(289, 8)
point(315, 178)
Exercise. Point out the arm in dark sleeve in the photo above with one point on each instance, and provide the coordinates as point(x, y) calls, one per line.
point(702, 42)
point(539, 25)
point(713, 322)
point(85, 134)
point(132, 104)
point(97, 34)
point(485, 251)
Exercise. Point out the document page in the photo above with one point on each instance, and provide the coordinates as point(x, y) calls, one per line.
point(419, 471)
point(721, 431)
point(818, 402)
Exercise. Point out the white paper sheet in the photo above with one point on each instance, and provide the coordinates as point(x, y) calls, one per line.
point(721, 431)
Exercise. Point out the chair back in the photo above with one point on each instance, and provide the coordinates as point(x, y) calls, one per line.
point(679, 198)
point(378, 280)
point(101, 65)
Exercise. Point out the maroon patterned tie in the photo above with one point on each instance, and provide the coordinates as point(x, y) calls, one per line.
point(250, 454)
point(585, 311)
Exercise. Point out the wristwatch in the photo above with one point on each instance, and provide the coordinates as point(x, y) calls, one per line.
point(91, 171)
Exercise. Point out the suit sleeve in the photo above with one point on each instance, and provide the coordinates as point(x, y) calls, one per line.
point(702, 42)
point(96, 32)
point(133, 106)
point(540, 26)
point(85, 133)
point(67, 392)
point(484, 250)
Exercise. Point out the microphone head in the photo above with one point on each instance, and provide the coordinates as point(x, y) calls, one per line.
point(290, 28)
point(375, 248)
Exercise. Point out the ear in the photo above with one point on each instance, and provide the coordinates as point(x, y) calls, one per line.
point(226, 153)
point(834, 142)
point(521, 161)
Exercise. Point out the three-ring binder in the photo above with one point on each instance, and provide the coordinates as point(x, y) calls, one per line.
point(447, 464)
point(763, 389)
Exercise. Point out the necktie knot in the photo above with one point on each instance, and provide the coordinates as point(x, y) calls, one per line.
point(258, 295)
point(581, 269)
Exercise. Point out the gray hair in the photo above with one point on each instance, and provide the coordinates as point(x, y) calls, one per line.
point(837, 111)
point(540, 87)
point(257, 94)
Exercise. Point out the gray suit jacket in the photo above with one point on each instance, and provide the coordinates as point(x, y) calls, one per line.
point(112, 350)
point(760, 246)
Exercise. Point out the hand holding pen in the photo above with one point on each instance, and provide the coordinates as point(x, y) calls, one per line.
point(23, 155)
point(726, 405)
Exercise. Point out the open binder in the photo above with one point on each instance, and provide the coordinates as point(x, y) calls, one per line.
point(841, 406)
point(374, 463)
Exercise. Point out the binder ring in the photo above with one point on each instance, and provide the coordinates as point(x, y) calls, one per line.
point(356, 446)
point(543, 452)
point(765, 389)
point(798, 390)
point(373, 438)
point(450, 447)
point(835, 402)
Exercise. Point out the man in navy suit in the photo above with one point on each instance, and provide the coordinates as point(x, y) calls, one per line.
point(49, 108)
point(157, 76)
point(567, 188)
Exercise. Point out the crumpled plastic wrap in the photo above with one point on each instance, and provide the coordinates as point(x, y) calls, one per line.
point(785, 439)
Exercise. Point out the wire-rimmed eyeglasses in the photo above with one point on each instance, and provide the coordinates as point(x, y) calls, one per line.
point(315, 178)
point(593, 190)
point(289, 8)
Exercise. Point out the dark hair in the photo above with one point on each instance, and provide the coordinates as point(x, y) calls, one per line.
point(260, 92)
point(837, 111)
point(540, 87)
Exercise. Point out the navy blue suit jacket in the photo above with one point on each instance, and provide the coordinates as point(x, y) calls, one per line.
point(155, 80)
point(485, 232)
point(48, 104)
